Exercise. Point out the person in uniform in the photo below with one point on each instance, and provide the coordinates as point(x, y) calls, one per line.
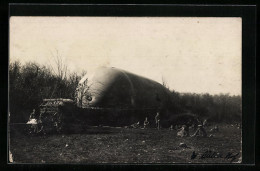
point(157, 120)
point(200, 131)
point(33, 122)
point(32, 115)
point(184, 131)
point(146, 123)
point(135, 125)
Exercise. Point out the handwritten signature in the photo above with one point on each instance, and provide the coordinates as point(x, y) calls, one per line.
point(212, 154)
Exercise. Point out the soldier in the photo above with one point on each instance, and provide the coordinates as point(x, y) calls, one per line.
point(32, 115)
point(135, 125)
point(183, 132)
point(159, 126)
point(157, 120)
point(146, 123)
point(33, 122)
point(200, 131)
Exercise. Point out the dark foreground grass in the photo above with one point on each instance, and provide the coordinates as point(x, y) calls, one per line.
point(120, 145)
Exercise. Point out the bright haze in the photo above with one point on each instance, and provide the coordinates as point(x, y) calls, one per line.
point(197, 55)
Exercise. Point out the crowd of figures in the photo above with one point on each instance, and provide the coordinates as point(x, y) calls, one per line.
point(146, 123)
point(198, 127)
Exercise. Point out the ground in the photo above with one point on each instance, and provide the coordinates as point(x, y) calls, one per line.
point(121, 145)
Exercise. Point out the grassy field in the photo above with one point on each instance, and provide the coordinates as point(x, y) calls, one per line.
point(120, 145)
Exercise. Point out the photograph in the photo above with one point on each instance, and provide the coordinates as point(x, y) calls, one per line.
point(124, 90)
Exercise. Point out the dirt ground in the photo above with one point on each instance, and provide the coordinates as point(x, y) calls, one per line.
point(121, 145)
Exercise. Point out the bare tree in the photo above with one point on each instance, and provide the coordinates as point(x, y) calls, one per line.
point(61, 69)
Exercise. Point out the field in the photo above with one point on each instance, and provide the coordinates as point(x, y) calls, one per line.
point(121, 145)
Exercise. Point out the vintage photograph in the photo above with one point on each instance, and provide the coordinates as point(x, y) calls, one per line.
point(91, 90)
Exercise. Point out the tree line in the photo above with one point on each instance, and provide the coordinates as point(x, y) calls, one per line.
point(216, 108)
point(30, 83)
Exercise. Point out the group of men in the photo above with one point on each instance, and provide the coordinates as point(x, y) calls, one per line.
point(200, 129)
point(146, 123)
point(183, 131)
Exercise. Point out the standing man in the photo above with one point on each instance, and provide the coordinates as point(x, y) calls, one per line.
point(146, 123)
point(32, 115)
point(157, 120)
point(33, 122)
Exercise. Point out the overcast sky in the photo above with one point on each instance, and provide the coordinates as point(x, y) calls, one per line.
point(198, 55)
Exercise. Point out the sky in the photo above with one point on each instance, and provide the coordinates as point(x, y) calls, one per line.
point(191, 54)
